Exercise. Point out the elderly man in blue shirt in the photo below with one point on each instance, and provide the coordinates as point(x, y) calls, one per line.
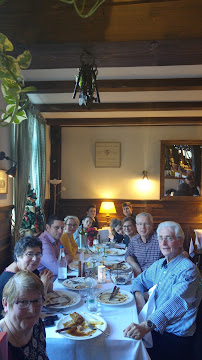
point(177, 298)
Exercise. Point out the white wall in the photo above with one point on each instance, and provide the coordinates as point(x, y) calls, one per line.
point(140, 150)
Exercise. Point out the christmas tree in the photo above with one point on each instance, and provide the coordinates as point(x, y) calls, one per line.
point(33, 217)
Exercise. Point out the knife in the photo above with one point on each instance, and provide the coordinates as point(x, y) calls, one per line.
point(67, 328)
point(112, 294)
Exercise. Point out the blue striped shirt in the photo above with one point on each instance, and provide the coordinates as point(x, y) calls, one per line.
point(177, 294)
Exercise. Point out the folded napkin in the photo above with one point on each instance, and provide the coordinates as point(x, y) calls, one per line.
point(147, 310)
point(191, 248)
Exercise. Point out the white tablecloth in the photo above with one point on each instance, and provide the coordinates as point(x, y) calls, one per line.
point(115, 346)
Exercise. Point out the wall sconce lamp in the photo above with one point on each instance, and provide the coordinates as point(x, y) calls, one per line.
point(12, 171)
point(107, 207)
point(145, 175)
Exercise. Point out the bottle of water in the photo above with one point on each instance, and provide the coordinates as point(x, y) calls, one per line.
point(62, 265)
point(82, 238)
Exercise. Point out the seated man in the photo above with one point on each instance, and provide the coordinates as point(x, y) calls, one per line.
point(177, 297)
point(51, 244)
point(91, 211)
point(128, 209)
point(143, 248)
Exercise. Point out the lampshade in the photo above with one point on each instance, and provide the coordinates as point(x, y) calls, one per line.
point(12, 171)
point(107, 207)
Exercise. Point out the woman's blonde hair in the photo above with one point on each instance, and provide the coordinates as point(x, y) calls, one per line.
point(22, 281)
point(75, 218)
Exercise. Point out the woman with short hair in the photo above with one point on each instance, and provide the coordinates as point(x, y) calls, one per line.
point(23, 297)
point(27, 256)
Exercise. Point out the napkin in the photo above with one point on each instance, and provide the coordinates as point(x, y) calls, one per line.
point(147, 310)
point(191, 248)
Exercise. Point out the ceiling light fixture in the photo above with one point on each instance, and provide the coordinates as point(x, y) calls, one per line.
point(12, 171)
point(86, 80)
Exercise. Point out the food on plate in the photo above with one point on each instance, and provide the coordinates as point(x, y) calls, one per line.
point(77, 317)
point(115, 251)
point(82, 329)
point(117, 266)
point(117, 299)
point(57, 299)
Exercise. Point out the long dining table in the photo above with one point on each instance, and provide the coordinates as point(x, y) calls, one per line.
point(114, 346)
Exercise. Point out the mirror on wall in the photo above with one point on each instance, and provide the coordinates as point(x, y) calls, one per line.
point(181, 169)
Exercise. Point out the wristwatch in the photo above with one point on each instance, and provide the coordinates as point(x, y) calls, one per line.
point(150, 323)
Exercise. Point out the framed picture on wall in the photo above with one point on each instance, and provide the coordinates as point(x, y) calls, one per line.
point(107, 154)
point(3, 182)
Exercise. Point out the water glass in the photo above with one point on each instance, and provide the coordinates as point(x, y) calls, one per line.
point(92, 300)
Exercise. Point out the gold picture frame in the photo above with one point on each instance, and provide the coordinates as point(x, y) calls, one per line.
point(107, 154)
point(3, 182)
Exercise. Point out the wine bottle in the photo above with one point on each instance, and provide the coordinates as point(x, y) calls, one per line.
point(82, 238)
point(62, 265)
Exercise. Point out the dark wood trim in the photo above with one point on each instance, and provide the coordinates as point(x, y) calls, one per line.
point(125, 85)
point(144, 106)
point(132, 121)
point(116, 54)
point(55, 161)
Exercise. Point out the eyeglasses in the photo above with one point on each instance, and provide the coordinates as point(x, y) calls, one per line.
point(32, 255)
point(166, 238)
point(143, 224)
point(72, 225)
point(24, 304)
point(127, 227)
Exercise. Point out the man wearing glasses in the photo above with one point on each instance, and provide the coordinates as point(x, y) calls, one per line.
point(177, 299)
point(143, 248)
point(51, 244)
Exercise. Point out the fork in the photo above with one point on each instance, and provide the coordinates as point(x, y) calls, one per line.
point(96, 328)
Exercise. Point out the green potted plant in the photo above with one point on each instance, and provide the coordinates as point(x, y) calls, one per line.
point(13, 86)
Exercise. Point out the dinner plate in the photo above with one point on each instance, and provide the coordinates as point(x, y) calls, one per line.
point(123, 266)
point(115, 251)
point(72, 298)
point(74, 265)
point(88, 318)
point(76, 282)
point(124, 298)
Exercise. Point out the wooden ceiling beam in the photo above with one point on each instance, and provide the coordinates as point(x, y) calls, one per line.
point(125, 85)
point(116, 54)
point(167, 121)
point(103, 107)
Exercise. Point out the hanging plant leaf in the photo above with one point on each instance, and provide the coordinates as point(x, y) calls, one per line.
point(28, 89)
point(10, 90)
point(13, 65)
point(18, 118)
point(24, 60)
point(6, 45)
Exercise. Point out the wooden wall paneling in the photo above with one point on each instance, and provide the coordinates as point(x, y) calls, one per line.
point(6, 246)
point(187, 213)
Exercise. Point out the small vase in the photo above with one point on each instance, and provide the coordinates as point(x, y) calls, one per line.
point(90, 240)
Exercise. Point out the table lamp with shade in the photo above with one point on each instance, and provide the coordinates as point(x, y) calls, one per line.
point(107, 207)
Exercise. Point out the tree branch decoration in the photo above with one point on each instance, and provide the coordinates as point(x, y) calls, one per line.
point(81, 11)
point(13, 86)
point(86, 81)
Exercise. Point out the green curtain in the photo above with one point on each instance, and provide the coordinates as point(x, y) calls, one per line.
point(29, 147)
point(38, 163)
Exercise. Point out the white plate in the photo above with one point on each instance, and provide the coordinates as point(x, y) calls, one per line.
point(74, 265)
point(130, 297)
point(73, 284)
point(113, 262)
point(87, 317)
point(114, 251)
point(75, 299)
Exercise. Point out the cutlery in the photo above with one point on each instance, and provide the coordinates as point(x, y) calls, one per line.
point(96, 328)
point(54, 304)
point(112, 294)
point(67, 328)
